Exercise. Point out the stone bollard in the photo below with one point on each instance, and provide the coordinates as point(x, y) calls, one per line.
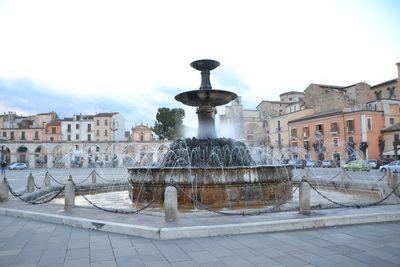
point(46, 181)
point(304, 198)
point(69, 194)
point(3, 191)
point(30, 185)
point(343, 174)
point(392, 180)
point(309, 175)
point(170, 204)
point(93, 177)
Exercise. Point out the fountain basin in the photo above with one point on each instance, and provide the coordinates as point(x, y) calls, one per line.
point(212, 98)
point(215, 187)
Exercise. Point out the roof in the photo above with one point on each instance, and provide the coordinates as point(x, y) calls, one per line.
point(275, 102)
point(393, 128)
point(384, 83)
point(319, 114)
point(292, 92)
point(54, 123)
point(327, 86)
point(105, 114)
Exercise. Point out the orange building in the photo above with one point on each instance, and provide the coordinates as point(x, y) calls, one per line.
point(338, 135)
point(53, 131)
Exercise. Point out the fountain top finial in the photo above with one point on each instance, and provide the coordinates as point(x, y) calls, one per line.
point(205, 65)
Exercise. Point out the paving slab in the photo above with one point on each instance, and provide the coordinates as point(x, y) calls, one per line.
point(200, 224)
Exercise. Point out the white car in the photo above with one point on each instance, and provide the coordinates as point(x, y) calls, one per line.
point(394, 166)
point(18, 166)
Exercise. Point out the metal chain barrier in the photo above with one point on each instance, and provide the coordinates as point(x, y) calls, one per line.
point(350, 206)
point(336, 175)
point(107, 180)
point(37, 187)
point(116, 210)
point(380, 179)
point(33, 202)
point(54, 179)
point(243, 213)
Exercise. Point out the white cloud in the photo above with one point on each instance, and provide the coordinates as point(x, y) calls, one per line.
point(126, 50)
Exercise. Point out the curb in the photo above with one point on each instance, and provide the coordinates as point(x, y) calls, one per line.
point(206, 231)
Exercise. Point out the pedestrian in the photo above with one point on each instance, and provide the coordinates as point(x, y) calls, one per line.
point(3, 168)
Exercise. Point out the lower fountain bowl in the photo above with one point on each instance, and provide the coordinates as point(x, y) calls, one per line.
point(230, 187)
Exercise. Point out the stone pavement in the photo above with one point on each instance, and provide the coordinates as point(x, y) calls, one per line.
point(24, 242)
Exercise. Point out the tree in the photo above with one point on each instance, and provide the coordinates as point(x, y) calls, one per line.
point(168, 123)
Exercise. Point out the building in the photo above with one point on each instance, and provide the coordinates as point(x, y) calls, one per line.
point(141, 133)
point(243, 124)
point(109, 126)
point(337, 134)
point(390, 142)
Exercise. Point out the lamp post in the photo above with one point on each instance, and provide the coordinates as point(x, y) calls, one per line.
point(114, 128)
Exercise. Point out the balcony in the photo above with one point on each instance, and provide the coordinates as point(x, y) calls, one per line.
point(334, 132)
point(349, 129)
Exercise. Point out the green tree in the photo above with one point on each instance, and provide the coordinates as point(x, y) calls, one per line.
point(168, 123)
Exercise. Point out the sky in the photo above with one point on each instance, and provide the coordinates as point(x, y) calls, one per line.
point(85, 57)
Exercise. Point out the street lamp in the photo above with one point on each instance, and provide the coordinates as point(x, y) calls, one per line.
point(114, 128)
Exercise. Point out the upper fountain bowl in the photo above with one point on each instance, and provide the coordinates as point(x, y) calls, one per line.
point(204, 64)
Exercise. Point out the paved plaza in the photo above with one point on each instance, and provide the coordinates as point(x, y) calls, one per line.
point(25, 242)
point(42, 235)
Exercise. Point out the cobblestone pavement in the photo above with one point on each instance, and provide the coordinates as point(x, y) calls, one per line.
point(31, 243)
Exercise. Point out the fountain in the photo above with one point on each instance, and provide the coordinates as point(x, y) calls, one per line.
point(217, 172)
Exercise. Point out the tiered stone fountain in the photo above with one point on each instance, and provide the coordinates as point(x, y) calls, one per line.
point(216, 172)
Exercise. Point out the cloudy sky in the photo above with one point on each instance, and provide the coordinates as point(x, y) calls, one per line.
point(133, 56)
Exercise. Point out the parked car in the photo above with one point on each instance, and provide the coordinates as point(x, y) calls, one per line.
point(373, 163)
point(310, 163)
point(318, 163)
point(328, 164)
point(357, 165)
point(18, 166)
point(394, 166)
point(298, 164)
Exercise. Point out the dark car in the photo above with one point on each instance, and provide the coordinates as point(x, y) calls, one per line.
point(328, 164)
point(297, 164)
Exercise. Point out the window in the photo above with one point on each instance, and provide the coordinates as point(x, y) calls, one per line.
point(97, 149)
point(69, 128)
point(391, 121)
point(369, 124)
point(105, 132)
point(89, 128)
point(97, 122)
point(396, 138)
point(4, 134)
point(36, 135)
point(89, 137)
point(51, 139)
point(293, 134)
point(77, 126)
point(319, 130)
point(334, 127)
point(142, 137)
point(279, 140)
point(97, 132)
point(53, 130)
point(335, 142)
point(68, 137)
point(106, 122)
point(279, 126)
point(12, 136)
point(350, 125)
point(306, 132)
point(77, 137)
point(23, 137)
point(351, 139)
